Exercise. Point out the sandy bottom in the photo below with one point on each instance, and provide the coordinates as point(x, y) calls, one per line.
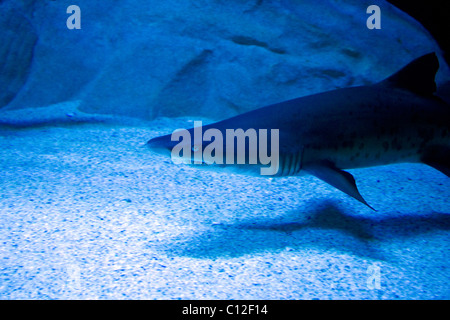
point(87, 212)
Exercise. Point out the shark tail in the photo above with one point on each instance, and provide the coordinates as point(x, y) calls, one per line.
point(438, 157)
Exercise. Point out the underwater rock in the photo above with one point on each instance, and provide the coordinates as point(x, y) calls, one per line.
point(18, 40)
point(161, 79)
point(210, 59)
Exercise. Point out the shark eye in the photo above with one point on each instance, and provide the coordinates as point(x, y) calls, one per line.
point(195, 148)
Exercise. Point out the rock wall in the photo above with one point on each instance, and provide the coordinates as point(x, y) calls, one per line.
point(18, 40)
point(211, 58)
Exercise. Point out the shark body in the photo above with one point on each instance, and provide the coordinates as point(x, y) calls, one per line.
point(394, 121)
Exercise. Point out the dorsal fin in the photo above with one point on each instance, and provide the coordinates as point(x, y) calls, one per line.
point(417, 76)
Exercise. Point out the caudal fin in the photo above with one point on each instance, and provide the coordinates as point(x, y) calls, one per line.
point(438, 157)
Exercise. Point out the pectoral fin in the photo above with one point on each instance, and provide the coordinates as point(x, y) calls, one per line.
point(342, 180)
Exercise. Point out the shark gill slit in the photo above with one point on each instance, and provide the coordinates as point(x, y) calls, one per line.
point(290, 164)
point(282, 167)
point(295, 162)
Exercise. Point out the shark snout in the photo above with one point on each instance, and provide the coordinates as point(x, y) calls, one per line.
point(161, 145)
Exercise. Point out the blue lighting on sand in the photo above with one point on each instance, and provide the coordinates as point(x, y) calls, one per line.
point(89, 212)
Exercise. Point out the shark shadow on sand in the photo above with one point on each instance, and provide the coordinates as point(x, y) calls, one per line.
point(319, 225)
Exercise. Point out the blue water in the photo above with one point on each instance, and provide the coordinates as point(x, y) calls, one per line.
point(89, 213)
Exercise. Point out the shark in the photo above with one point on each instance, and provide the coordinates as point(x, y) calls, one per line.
point(397, 120)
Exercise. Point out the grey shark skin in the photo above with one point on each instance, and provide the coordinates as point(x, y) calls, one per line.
point(394, 121)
